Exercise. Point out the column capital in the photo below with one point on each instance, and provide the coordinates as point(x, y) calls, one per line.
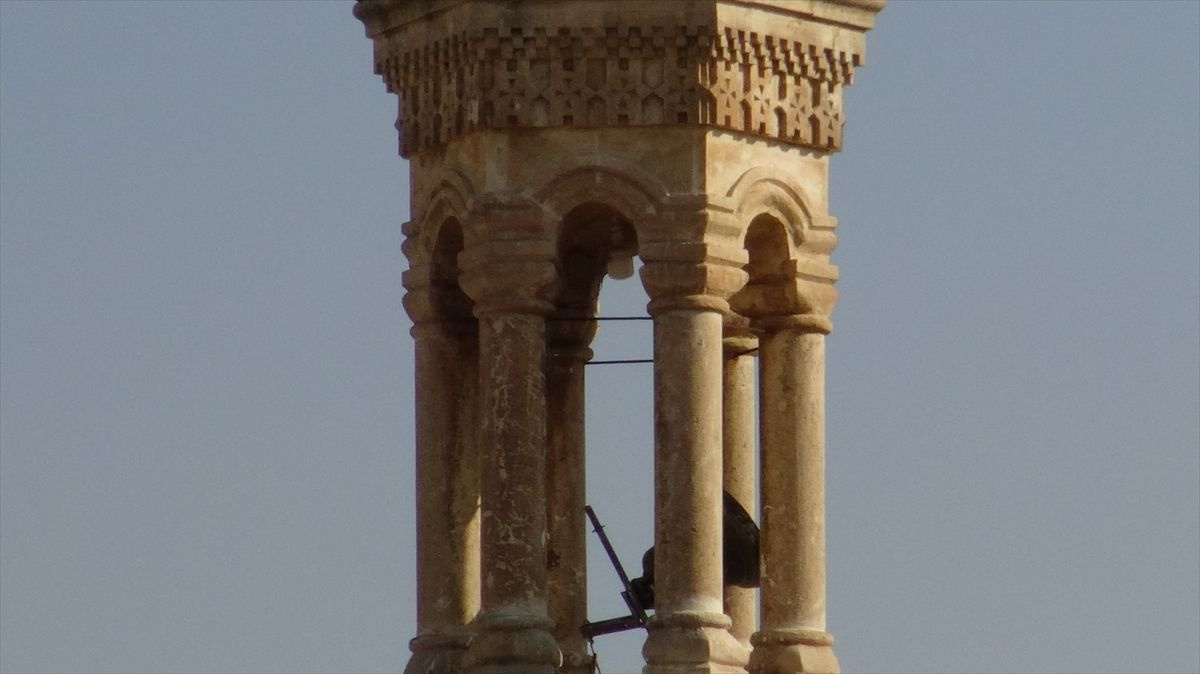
point(802, 296)
point(569, 353)
point(697, 276)
point(569, 331)
point(739, 338)
point(504, 276)
point(436, 308)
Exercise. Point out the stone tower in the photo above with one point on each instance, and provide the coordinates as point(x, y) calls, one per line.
point(550, 141)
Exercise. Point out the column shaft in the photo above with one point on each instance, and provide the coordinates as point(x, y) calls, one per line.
point(793, 636)
point(690, 631)
point(566, 485)
point(687, 382)
point(513, 630)
point(447, 472)
point(741, 603)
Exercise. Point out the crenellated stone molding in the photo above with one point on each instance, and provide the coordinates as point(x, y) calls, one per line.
point(453, 80)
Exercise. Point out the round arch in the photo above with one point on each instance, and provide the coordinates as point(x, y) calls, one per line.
point(627, 190)
point(763, 191)
point(450, 200)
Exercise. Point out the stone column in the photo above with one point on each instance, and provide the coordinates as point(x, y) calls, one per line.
point(741, 603)
point(509, 281)
point(447, 472)
point(792, 380)
point(688, 287)
point(566, 489)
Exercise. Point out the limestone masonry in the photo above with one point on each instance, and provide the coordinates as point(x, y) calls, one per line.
point(550, 141)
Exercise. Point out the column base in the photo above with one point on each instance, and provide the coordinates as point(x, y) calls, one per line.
point(575, 657)
point(512, 643)
point(693, 642)
point(438, 652)
point(793, 651)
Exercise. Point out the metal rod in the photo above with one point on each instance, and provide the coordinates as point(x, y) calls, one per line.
point(629, 622)
point(616, 562)
point(599, 318)
point(620, 362)
point(637, 616)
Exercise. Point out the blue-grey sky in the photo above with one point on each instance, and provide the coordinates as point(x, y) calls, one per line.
point(206, 375)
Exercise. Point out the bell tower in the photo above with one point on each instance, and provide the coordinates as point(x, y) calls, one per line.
point(550, 141)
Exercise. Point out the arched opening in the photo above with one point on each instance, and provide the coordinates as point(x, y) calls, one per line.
point(768, 248)
point(453, 305)
point(597, 243)
point(448, 453)
point(620, 461)
point(594, 241)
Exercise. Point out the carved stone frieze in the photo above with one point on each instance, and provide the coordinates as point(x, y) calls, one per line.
point(451, 84)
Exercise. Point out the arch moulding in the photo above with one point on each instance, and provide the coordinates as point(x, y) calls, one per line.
point(633, 193)
point(767, 191)
point(451, 198)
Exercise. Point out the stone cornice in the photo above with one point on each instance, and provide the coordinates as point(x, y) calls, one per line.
point(463, 67)
point(859, 14)
point(382, 15)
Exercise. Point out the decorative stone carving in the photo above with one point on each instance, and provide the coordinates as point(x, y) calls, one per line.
point(697, 276)
point(772, 86)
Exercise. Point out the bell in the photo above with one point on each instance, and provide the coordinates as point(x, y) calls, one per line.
point(739, 559)
point(739, 554)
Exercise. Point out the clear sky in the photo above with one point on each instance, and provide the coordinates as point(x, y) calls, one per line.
point(206, 375)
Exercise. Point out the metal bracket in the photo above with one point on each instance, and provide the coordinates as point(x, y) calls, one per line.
point(637, 614)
